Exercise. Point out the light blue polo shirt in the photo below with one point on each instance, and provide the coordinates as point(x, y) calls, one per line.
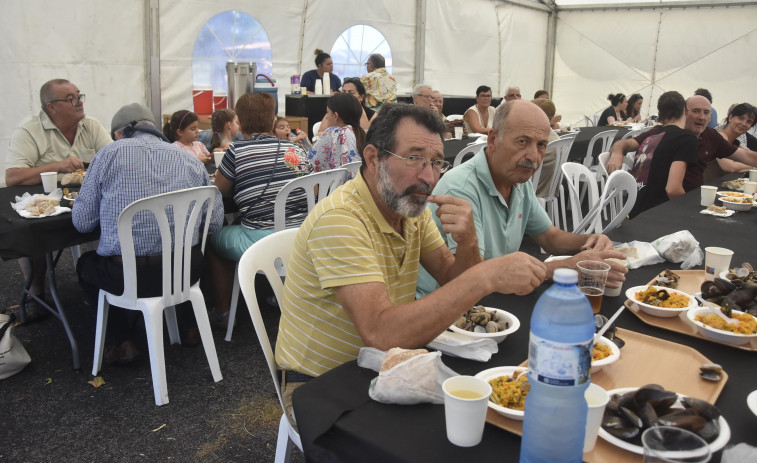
point(500, 227)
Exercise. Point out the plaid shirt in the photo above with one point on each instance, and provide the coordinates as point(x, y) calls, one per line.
point(133, 169)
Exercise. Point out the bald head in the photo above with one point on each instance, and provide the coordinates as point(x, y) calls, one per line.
point(698, 113)
point(520, 110)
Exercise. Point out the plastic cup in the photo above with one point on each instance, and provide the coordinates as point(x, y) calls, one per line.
point(614, 292)
point(218, 158)
point(753, 175)
point(750, 187)
point(708, 195)
point(459, 133)
point(465, 404)
point(666, 444)
point(596, 399)
point(592, 276)
point(49, 181)
point(715, 261)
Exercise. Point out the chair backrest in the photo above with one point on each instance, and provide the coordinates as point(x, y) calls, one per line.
point(605, 137)
point(316, 129)
point(467, 153)
point(352, 167)
point(562, 150)
point(321, 182)
point(263, 256)
point(633, 133)
point(589, 121)
point(569, 135)
point(621, 187)
point(176, 234)
point(604, 157)
point(575, 174)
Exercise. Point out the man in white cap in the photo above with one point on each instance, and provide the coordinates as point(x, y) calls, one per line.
point(141, 163)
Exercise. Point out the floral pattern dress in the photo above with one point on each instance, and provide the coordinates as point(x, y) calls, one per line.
point(336, 147)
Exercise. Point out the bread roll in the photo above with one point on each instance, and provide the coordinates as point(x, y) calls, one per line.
point(397, 355)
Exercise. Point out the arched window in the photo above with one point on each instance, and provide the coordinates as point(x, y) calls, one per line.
point(354, 46)
point(229, 36)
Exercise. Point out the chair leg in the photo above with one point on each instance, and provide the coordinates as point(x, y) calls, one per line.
point(233, 306)
point(283, 442)
point(100, 329)
point(76, 253)
point(203, 324)
point(173, 326)
point(154, 328)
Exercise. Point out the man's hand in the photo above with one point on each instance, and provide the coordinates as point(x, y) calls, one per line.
point(456, 216)
point(516, 273)
point(617, 273)
point(615, 162)
point(598, 242)
point(70, 164)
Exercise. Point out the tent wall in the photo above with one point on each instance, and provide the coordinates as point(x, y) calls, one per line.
point(651, 52)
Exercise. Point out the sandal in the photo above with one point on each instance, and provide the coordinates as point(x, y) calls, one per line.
point(219, 320)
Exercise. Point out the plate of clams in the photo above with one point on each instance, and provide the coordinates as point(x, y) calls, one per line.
point(486, 323)
point(632, 410)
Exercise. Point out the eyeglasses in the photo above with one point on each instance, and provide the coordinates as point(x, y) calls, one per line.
point(421, 95)
point(74, 100)
point(420, 163)
point(484, 95)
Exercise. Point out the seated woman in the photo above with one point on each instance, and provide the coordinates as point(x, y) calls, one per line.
point(324, 65)
point(479, 117)
point(253, 171)
point(344, 139)
point(354, 87)
point(740, 119)
point(633, 110)
point(616, 111)
point(662, 158)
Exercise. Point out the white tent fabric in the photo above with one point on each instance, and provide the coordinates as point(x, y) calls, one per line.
point(104, 48)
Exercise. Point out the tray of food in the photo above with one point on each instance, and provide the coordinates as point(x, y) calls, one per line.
point(719, 291)
point(680, 370)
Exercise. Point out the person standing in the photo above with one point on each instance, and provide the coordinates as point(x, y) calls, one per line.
point(324, 65)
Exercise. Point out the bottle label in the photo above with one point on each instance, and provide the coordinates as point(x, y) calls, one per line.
point(557, 363)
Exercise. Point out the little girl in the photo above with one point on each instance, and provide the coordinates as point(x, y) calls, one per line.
point(182, 130)
point(281, 130)
point(225, 125)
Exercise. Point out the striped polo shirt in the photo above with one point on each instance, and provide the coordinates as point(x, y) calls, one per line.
point(345, 240)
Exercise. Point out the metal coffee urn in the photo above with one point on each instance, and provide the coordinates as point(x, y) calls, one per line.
point(241, 80)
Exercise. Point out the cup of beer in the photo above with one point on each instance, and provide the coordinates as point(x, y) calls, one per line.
point(592, 276)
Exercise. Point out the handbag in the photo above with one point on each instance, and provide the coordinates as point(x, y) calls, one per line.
point(13, 356)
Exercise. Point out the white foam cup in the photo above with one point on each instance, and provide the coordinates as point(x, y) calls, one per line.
point(458, 132)
point(750, 187)
point(708, 195)
point(715, 261)
point(49, 181)
point(753, 175)
point(465, 416)
point(596, 399)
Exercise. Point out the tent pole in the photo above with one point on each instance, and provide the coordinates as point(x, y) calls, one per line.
point(302, 36)
point(420, 41)
point(152, 56)
point(549, 64)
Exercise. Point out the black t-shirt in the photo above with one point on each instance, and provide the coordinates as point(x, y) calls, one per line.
point(609, 112)
point(653, 160)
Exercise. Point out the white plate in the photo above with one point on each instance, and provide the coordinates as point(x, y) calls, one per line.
point(733, 194)
point(717, 444)
point(58, 210)
point(736, 206)
point(727, 213)
point(751, 401)
point(492, 373)
point(599, 364)
point(659, 311)
point(716, 334)
point(499, 336)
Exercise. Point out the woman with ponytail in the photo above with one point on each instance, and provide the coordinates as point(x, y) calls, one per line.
point(324, 65)
point(344, 139)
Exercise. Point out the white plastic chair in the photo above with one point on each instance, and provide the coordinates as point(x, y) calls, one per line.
point(621, 188)
point(264, 256)
point(589, 121)
point(454, 117)
point(467, 153)
point(605, 137)
point(177, 254)
point(549, 202)
point(577, 174)
point(326, 182)
point(352, 167)
point(316, 129)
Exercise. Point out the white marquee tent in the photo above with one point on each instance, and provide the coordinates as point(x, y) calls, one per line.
point(142, 50)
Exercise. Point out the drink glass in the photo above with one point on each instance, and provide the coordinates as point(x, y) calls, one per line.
point(667, 444)
point(465, 403)
point(753, 175)
point(592, 276)
point(459, 133)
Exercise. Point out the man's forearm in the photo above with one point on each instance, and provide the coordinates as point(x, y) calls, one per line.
point(27, 175)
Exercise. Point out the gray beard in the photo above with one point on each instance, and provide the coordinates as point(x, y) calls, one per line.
point(405, 203)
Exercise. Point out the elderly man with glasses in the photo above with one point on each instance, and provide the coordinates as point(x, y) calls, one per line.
point(380, 86)
point(355, 259)
point(59, 139)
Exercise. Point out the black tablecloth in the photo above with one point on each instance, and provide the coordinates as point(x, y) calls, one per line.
point(335, 413)
point(453, 146)
point(22, 237)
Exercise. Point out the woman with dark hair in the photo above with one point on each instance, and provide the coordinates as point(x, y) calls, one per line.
point(616, 111)
point(225, 125)
point(633, 110)
point(253, 171)
point(344, 139)
point(480, 117)
point(735, 129)
point(663, 157)
point(355, 87)
point(324, 65)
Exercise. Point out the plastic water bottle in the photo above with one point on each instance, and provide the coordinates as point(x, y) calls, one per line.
point(559, 359)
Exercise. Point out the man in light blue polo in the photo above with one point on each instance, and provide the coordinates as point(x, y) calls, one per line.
point(505, 207)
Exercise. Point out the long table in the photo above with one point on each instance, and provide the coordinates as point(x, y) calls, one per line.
point(22, 237)
point(336, 418)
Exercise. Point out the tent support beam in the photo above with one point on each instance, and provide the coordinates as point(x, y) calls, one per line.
point(152, 56)
point(549, 64)
point(420, 41)
point(655, 6)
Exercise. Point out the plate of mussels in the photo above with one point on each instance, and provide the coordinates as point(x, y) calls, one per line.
point(632, 410)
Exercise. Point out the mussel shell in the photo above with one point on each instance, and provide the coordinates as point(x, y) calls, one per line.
point(631, 417)
point(691, 422)
point(648, 415)
point(710, 431)
point(492, 327)
point(704, 408)
point(711, 372)
point(661, 400)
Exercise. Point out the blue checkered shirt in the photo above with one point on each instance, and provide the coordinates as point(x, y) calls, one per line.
point(129, 170)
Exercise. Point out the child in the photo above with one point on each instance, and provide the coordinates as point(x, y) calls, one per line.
point(182, 130)
point(281, 130)
point(225, 125)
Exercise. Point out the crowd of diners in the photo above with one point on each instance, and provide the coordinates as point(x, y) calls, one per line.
point(396, 254)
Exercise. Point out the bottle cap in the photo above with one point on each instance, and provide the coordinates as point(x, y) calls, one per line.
point(565, 276)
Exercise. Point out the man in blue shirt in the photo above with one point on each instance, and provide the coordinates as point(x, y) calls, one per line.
point(504, 204)
point(140, 164)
